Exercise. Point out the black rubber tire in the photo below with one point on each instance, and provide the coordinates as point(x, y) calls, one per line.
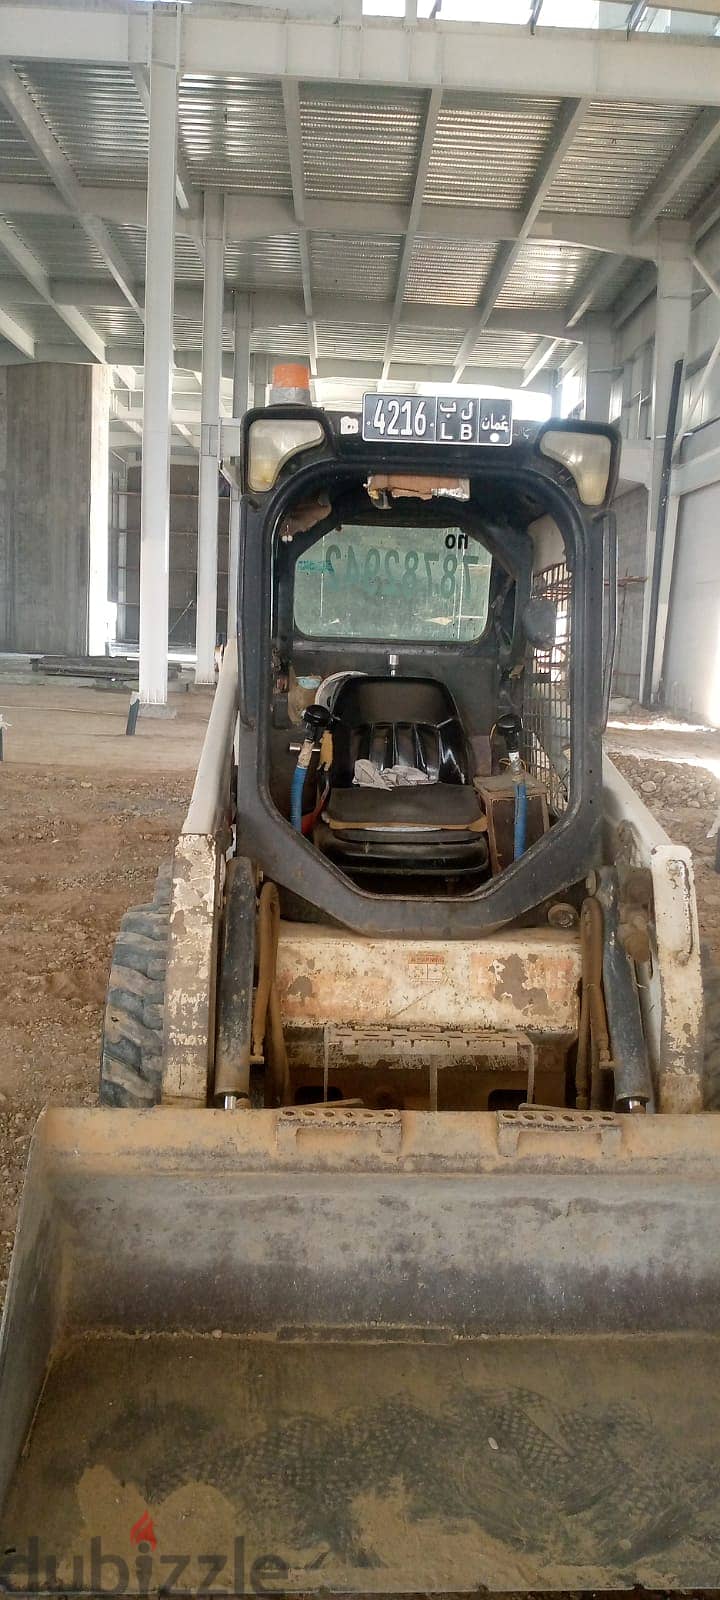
point(131, 1054)
point(711, 1063)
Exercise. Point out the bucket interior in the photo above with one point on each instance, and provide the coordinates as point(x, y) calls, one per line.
point(379, 1381)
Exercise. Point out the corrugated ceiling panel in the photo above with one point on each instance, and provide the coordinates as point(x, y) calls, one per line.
point(188, 334)
point(366, 268)
point(358, 341)
point(626, 271)
point(116, 326)
point(360, 143)
point(233, 132)
point(503, 349)
point(700, 183)
point(18, 163)
point(264, 263)
point(131, 241)
point(61, 246)
point(449, 272)
point(487, 148)
point(288, 340)
point(97, 117)
point(543, 276)
point(616, 156)
point(427, 344)
point(46, 326)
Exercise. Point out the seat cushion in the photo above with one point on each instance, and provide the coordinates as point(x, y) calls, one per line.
point(423, 808)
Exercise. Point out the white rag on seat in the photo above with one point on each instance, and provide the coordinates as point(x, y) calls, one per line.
point(368, 776)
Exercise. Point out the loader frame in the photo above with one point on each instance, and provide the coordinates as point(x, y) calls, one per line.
point(574, 843)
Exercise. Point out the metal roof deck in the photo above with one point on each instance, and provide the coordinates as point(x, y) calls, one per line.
point(436, 202)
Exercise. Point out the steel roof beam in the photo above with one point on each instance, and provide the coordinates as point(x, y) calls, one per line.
point(699, 142)
point(272, 214)
point(16, 334)
point(274, 307)
point(703, 136)
point(599, 276)
point(37, 133)
point(707, 215)
point(432, 112)
point(293, 126)
point(30, 269)
point(539, 360)
point(643, 285)
point(570, 119)
point(383, 50)
point(476, 56)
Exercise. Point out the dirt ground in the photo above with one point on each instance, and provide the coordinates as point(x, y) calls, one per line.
point(86, 817)
point(675, 767)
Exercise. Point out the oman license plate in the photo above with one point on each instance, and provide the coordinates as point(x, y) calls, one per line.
point(436, 419)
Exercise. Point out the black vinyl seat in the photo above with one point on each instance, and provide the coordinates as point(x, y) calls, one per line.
point(432, 827)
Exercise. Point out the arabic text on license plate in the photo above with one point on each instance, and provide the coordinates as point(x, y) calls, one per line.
point(441, 419)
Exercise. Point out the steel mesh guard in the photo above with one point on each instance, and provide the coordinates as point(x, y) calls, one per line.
point(547, 693)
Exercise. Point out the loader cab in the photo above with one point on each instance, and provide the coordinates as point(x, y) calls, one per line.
point(421, 647)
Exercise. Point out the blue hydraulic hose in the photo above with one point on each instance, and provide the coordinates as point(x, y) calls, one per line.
point(298, 784)
point(520, 835)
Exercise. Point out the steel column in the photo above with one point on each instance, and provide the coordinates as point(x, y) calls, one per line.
point(672, 338)
point(158, 357)
point(206, 627)
point(599, 368)
point(241, 400)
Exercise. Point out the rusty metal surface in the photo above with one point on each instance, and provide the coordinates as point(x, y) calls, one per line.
point(467, 1349)
point(525, 979)
point(671, 984)
point(189, 1022)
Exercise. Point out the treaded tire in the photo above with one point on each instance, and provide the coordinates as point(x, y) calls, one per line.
point(131, 1055)
point(711, 1063)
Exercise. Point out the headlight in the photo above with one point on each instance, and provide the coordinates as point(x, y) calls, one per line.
point(272, 442)
point(588, 456)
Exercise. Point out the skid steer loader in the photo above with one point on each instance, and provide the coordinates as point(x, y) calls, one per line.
point(389, 1261)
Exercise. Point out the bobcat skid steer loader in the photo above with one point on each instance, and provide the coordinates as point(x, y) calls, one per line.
point(389, 1261)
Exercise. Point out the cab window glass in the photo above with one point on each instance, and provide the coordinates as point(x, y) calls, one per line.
point(400, 583)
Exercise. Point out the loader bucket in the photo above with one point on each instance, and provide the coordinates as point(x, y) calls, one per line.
point(363, 1353)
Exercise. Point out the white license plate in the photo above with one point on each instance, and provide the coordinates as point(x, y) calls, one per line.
point(436, 419)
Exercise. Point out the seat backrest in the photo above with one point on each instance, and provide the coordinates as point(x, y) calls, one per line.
point(409, 722)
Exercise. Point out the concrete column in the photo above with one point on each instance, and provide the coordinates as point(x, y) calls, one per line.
point(599, 367)
point(241, 399)
point(206, 627)
point(672, 339)
point(56, 508)
point(159, 303)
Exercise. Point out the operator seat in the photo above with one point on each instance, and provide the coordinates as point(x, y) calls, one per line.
point(433, 827)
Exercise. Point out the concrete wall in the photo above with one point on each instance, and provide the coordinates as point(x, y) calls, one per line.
point(183, 558)
point(56, 493)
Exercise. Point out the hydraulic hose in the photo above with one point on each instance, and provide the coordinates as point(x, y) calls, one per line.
point(521, 807)
point(298, 783)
